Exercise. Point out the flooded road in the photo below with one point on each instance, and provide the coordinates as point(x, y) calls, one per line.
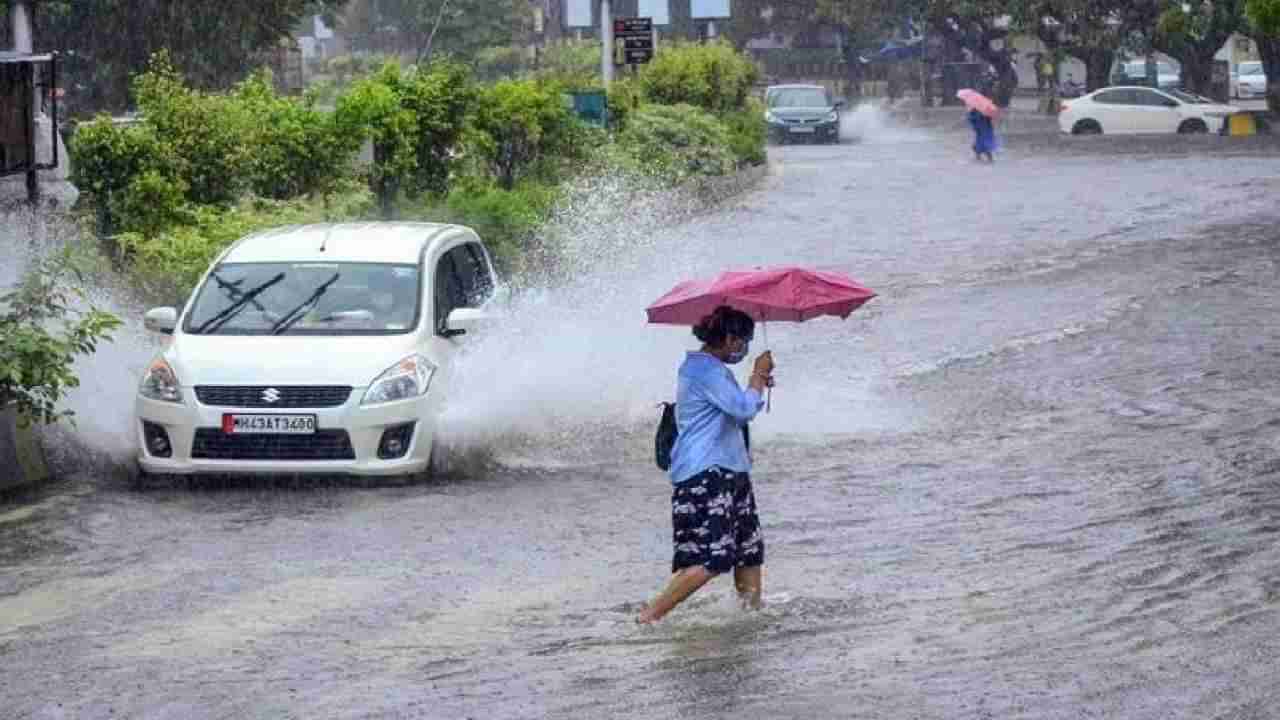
point(1038, 477)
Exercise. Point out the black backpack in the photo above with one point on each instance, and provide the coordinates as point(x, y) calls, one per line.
point(665, 439)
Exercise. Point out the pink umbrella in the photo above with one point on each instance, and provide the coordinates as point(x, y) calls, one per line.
point(791, 294)
point(975, 100)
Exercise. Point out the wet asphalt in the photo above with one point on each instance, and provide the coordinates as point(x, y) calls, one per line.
point(1039, 477)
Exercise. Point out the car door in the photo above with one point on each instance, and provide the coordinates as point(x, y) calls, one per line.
point(1113, 110)
point(463, 279)
point(1157, 112)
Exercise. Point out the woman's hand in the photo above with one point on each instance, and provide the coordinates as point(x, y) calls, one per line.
point(762, 372)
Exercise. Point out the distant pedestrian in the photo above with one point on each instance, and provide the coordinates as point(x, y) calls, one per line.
point(984, 136)
point(715, 529)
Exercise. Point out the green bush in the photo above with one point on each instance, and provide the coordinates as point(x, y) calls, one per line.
point(572, 65)
point(41, 335)
point(522, 126)
point(297, 149)
point(415, 120)
point(206, 133)
point(625, 97)
point(675, 143)
point(501, 63)
point(106, 158)
point(748, 133)
point(506, 219)
point(712, 76)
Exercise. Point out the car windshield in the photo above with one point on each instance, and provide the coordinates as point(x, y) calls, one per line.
point(1251, 68)
point(799, 98)
point(306, 299)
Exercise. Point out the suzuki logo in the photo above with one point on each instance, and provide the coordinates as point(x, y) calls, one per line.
point(271, 395)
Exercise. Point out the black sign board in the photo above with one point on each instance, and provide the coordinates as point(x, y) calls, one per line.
point(633, 40)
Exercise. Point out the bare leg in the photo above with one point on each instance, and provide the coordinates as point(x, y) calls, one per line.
point(683, 584)
point(750, 585)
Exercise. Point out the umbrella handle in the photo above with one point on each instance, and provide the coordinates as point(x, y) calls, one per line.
point(768, 391)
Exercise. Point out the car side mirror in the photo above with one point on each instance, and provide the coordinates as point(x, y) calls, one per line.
point(161, 320)
point(462, 321)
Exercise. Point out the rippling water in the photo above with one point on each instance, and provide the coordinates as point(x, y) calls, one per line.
point(1036, 478)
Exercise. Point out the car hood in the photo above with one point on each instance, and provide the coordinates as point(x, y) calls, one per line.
point(801, 113)
point(284, 360)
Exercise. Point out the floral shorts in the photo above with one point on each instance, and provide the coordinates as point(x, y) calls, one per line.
point(714, 522)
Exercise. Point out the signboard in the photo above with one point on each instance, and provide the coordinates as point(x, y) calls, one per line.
point(709, 9)
point(659, 10)
point(577, 13)
point(632, 41)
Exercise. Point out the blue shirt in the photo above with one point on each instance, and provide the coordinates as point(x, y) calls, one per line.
point(711, 410)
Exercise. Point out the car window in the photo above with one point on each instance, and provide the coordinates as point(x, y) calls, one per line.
point(1115, 97)
point(462, 280)
point(1147, 98)
point(1250, 68)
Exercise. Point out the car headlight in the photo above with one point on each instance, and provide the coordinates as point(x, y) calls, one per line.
point(408, 378)
point(833, 116)
point(770, 117)
point(160, 383)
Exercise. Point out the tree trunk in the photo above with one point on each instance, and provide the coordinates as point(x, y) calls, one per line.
point(1097, 65)
point(1269, 51)
point(1197, 73)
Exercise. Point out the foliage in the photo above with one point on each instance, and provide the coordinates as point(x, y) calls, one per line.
point(1264, 15)
point(1193, 35)
point(506, 219)
point(505, 62)
point(106, 158)
point(712, 76)
point(625, 96)
point(41, 335)
point(415, 119)
point(295, 149)
point(426, 28)
point(214, 44)
point(675, 143)
point(522, 124)
point(748, 133)
point(573, 64)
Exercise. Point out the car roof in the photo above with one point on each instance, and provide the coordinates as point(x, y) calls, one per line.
point(372, 242)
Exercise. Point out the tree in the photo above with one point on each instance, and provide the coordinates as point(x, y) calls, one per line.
point(1092, 31)
point(422, 28)
point(1195, 34)
point(213, 44)
point(861, 23)
point(1264, 26)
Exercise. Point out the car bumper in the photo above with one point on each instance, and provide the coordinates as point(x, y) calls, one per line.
point(364, 427)
point(796, 131)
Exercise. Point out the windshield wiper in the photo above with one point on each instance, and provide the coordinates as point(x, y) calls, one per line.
point(233, 290)
point(292, 317)
point(224, 317)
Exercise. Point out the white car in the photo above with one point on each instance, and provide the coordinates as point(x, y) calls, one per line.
point(314, 349)
point(1129, 110)
point(1251, 81)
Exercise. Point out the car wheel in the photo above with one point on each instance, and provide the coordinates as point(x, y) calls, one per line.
point(1193, 127)
point(1086, 127)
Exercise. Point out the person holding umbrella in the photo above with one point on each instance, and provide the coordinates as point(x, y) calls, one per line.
point(715, 527)
point(981, 113)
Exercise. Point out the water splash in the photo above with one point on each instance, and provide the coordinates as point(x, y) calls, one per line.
point(871, 123)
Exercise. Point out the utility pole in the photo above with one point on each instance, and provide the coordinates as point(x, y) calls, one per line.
point(20, 29)
point(606, 42)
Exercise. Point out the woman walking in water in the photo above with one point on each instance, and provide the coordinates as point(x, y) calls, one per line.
point(984, 136)
point(713, 508)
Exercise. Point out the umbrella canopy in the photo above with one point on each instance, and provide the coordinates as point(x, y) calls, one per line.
point(781, 294)
point(977, 101)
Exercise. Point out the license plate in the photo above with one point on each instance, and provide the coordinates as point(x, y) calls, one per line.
point(802, 129)
point(268, 424)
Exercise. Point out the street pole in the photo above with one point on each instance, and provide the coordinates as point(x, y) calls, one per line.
point(20, 29)
point(606, 42)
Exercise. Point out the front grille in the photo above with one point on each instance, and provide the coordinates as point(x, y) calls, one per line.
point(286, 396)
point(213, 444)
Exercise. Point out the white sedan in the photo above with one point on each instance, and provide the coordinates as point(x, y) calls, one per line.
point(1251, 81)
point(1131, 110)
point(314, 349)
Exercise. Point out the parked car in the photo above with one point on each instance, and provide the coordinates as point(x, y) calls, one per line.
point(1120, 110)
point(1251, 81)
point(314, 349)
point(1135, 73)
point(802, 113)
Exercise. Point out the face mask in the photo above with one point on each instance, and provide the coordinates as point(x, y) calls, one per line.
point(740, 355)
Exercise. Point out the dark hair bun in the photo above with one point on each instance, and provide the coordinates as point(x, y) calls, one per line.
point(715, 329)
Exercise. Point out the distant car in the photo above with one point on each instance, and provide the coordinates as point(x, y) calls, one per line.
point(1131, 110)
point(313, 349)
point(802, 113)
point(1135, 73)
point(1251, 81)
